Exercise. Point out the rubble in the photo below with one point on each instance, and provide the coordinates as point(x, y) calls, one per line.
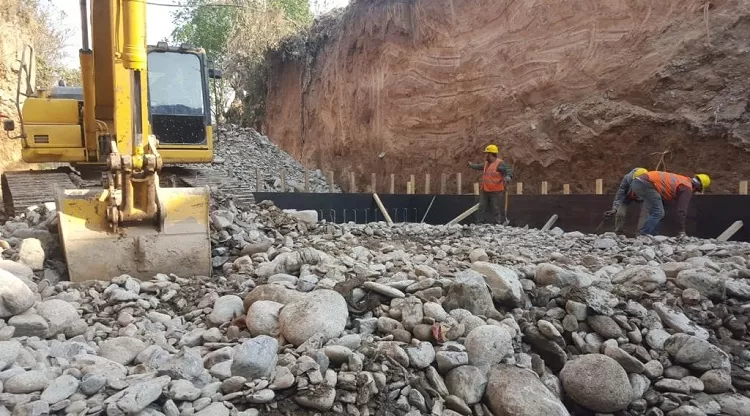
point(317, 318)
point(239, 151)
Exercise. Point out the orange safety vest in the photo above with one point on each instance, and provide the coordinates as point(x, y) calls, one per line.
point(492, 180)
point(667, 183)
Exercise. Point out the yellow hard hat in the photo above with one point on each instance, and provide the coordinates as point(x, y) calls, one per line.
point(639, 171)
point(491, 149)
point(705, 181)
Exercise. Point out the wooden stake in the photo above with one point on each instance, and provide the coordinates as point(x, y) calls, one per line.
point(283, 181)
point(382, 209)
point(393, 183)
point(352, 183)
point(566, 189)
point(330, 181)
point(550, 223)
point(257, 180)
point(458, 184)
point(413, 184)
point(427, 183)
point(374, 182)
point(443, 183)
point(544, 187)
point(743, 188)
point(476, 188)
point(599, 186)
point(519, 188)
point(408, 187)
point(464, 215)
point(726, 235)
point(307, 181)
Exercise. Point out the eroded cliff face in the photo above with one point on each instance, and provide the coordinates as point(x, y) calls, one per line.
point(570, 91)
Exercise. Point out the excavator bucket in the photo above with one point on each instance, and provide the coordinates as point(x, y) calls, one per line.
point(181, 245)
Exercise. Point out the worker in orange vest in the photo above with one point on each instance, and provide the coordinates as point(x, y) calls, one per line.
point(657, 187)
point(496, 174)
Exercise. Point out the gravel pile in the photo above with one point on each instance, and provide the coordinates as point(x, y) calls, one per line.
point(313, 318)
point(240, 151)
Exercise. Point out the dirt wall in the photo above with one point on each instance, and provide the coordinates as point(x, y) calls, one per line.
point(570, 90)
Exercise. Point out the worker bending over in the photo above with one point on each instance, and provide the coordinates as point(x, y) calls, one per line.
point(624, 197)
point(657, 187)
point(496, 174)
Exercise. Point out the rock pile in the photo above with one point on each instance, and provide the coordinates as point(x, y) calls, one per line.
point(413, 319)
point(240, 151)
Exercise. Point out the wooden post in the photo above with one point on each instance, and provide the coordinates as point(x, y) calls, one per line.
point(566, 189)
point(352, 183)
point(726, 235)
point(519, 188)
point(476, 188)
point(550, 222)
point(544, 187)
point(283, 181)
point(330, 181)
point(257, 180)
point(413, 184)
point(464, 215)
point(427, 183)
point(307, 181)
point(408, 188)
point(374, 180)
point(382, 209)
point(458, 183)
point(393, 183)
point(743, 187)
point(599, 186)
point(443, 183)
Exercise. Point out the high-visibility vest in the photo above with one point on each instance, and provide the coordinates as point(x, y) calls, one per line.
point(667, 183)
point(492, 180)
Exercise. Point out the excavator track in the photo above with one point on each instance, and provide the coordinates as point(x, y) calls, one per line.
point(23, 189)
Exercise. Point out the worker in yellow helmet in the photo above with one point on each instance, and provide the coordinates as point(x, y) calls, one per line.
point(623, 198)
point(496, 174)
point(657, 187)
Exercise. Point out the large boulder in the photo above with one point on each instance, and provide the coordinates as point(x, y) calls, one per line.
point(263, 318)
point(488, 344)
point(15, 296)
point(513, 391)
point(678, 321)
point(60, 315)
point(122, 350)
point(255, 358)
point(640, 275)
point(469, 291)
point(696, 353)
point(319, 312)
point(19, 269)
point(597, 382)
point(31, 253)
point(467, 382)
point(710, 286)
point(225, 309)
point(272, 292)
point(504, 283)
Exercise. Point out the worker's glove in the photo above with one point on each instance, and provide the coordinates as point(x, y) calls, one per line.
point(610, 213)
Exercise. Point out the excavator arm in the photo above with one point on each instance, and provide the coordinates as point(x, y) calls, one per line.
point(133, 226)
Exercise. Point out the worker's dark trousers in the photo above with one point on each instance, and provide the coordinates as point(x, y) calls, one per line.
point(622, 213)
point(653, 203)
point(491, 207)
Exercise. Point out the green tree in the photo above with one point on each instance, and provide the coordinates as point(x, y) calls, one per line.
point(236, 37)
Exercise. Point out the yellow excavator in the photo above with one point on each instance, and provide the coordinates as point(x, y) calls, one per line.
point(139, 109)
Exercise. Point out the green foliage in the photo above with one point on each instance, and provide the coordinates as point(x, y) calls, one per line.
point(236, 36)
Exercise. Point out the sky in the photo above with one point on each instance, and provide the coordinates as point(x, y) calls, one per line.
point(159, 22)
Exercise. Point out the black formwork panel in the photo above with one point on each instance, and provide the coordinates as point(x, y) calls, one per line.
point(708, 215)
